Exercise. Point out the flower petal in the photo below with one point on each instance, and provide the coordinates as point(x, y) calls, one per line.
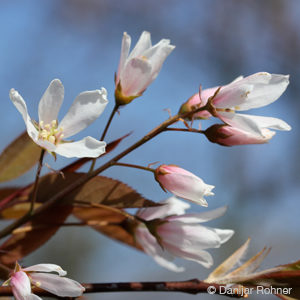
point(232, 95)
point(158, 54)
point(20, 104)
point(200, 256)
point(21, 286)
point(87, 147)
point(60, 286)
point(152, 248)
point(136, 77)
point(126, 41)
point(171, 206)
point(51, 102)
point(267, 122)
point(200, 217)
point(240, 121)
point(224, 234)
point(46, 268)
point(142, 44)
point(254, 91)
point(187, 236)
point(86, 108)
point(266, 89)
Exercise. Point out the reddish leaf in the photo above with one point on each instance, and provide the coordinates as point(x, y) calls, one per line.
point(18, 157)
point(23, 243)
point(109, 222)
point(99, 189)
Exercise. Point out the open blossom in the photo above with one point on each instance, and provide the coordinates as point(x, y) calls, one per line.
point(179, 235)
point(42, 276)
point(254, 91)
point(183, 183)
point(139, 68)
point(50, 135)
point(226, 135)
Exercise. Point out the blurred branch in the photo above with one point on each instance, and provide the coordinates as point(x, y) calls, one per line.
point(193, 286)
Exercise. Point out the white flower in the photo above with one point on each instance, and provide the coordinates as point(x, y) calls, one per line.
point(254, 91)
point(139, 68)
point(50, 135)
point(179, 235)
point(42, 276)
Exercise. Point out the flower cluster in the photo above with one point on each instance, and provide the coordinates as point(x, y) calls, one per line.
point(242, 94)
point(166, 231)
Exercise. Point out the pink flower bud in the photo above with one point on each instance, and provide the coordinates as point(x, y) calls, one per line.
point(226, 135)
point(183, 184)
point(139, 68)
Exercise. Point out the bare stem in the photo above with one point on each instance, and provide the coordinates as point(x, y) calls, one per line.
point(134, 166)
point(36, 183)
point(193, 286)
point(115, 109)
point(185, 130)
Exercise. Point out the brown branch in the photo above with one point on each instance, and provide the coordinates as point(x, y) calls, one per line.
point(193, 286)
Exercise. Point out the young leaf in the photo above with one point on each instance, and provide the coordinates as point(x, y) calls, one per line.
point(228, 264)
point(18, 157)
point(43, 227)
point(109, 222)
point(99, 189)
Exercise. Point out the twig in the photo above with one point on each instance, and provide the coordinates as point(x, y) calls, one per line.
point(115, 109)
point(193, 286)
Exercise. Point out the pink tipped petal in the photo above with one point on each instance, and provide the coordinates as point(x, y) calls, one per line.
point(87, 147)
point(86, 108)
point(126, 41)
point(200, 217)
point(46, 268)
point(51, 102)
point(60, 286)
point(143, 43)
point(136, 77)
point(171, 206)
point(152, 248)
point(21, 286)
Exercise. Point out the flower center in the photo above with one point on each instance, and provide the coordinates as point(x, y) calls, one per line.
point(50, 133)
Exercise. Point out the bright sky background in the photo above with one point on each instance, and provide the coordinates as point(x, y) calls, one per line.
point(216, 41)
